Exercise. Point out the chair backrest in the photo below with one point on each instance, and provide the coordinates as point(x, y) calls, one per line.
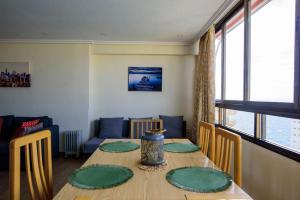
point(225, 141)
point(139, 126)
point(206, 140)
point(40, 185)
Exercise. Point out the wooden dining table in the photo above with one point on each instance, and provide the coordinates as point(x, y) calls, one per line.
point(148, 185)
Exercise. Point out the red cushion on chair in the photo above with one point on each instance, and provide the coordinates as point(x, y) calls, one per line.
point(30, 123)
point(22, 131)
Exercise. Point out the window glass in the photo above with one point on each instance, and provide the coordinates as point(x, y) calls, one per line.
point(240, 120)
point(283, 131)
point(271, 69)
point(218, 69)
point(272, 50)
point(234, 58)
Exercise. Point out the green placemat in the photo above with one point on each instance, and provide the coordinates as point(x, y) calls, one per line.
point(180, 147)
point(119, 147)
point(199, 179)
point(100, 176)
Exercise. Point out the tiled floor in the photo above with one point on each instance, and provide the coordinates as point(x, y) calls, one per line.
point(62, 168)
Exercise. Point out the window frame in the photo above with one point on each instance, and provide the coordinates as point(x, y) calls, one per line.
point(259, 108)
point(270, 107)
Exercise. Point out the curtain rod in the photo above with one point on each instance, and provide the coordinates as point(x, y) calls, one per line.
point(222, 10)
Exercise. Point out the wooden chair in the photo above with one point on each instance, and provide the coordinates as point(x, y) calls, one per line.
point(206, 140)
point(139, 126)
point(40, 185)
point(225, 141)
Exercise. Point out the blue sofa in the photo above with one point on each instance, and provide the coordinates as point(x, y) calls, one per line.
point(92, 144)
point(9, 126)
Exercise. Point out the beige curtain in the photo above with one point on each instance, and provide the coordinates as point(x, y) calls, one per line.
point(204, 83)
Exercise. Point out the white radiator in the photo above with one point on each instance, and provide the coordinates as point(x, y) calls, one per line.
point(73, 141)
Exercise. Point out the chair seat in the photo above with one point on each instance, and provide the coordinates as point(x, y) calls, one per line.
point(91, 145)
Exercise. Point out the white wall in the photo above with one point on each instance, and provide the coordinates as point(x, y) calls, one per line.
point(268, 175)
point(60, 83)
point(111, 97)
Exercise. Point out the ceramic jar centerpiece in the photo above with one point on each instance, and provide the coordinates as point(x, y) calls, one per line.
point(152, 148)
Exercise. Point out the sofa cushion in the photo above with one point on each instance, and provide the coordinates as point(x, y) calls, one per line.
point(91, 145)
point(30, 123)
point(47, 122)
point(7, 127)
point(111, 127)
point(35, 128)
point(173, 125)
point(21, 131)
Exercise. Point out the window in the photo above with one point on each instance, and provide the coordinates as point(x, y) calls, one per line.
point(258, 74)
point(234, 58)
point(241, 121)
point(259, 68)
point(283, 131)
point(272, 51)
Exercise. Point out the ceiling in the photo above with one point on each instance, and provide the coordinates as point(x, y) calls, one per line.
point(105, 20)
